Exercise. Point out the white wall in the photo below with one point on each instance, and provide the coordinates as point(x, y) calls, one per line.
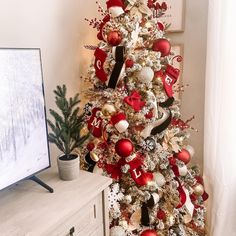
point(59, 29)
point(194, 40)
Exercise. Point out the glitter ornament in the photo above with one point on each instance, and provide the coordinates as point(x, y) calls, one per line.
point(149, 144)
point(183, 170)
point(124, 147)
point(114, 38)
point(198, 189)
point(159, 179)
point(146, 75)
point(184, 156)
point(149, 232)
point(163, 46)
point(190, 149)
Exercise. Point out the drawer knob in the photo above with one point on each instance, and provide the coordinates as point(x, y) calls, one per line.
point(72, 230)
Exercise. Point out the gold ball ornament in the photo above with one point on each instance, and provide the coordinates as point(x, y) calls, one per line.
point(198, 190)
point(108, 110)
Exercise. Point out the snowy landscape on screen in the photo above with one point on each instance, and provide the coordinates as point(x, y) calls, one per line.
point(23, 136)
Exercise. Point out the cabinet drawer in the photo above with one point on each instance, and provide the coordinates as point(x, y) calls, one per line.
point(88, 218)
point(98, 232)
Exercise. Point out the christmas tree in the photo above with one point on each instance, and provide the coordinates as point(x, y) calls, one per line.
point(139, 138)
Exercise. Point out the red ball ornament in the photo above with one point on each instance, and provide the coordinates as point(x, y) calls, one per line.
point(129, 63)
point(184, 156)
point(149, 232)
point(163, 46)
point(114, 38)
point(124, 147)
point(161, 215)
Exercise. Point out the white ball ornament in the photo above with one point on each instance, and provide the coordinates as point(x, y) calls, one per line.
point(117, 231)
point(183, 170)
point(191, 150)
point(159, 179)
point(146, 75)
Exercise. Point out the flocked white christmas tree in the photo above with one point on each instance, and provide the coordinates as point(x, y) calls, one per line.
point(138, 136)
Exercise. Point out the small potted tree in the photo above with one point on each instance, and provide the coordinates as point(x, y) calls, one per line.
point(65, 133)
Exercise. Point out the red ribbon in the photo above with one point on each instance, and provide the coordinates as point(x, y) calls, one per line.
point(134, 100)
point(182, 195)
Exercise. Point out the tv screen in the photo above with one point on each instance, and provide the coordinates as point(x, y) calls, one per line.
point(23, 131)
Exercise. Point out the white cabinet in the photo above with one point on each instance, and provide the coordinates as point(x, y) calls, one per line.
point(76, 208)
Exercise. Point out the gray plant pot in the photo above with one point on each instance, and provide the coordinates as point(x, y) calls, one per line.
point(68, 169)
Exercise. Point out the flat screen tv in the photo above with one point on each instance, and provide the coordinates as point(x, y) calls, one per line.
point(23, 131)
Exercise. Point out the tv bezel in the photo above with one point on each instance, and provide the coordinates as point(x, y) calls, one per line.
point(45, 115)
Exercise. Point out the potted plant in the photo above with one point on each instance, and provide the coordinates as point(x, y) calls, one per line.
point(65, 132)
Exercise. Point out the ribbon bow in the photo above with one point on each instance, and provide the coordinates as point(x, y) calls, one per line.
point(134, 100)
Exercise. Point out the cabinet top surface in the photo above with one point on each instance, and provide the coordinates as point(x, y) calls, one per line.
point(28, 206)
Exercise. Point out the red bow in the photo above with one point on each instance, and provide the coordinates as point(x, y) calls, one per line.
point(134, 100)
